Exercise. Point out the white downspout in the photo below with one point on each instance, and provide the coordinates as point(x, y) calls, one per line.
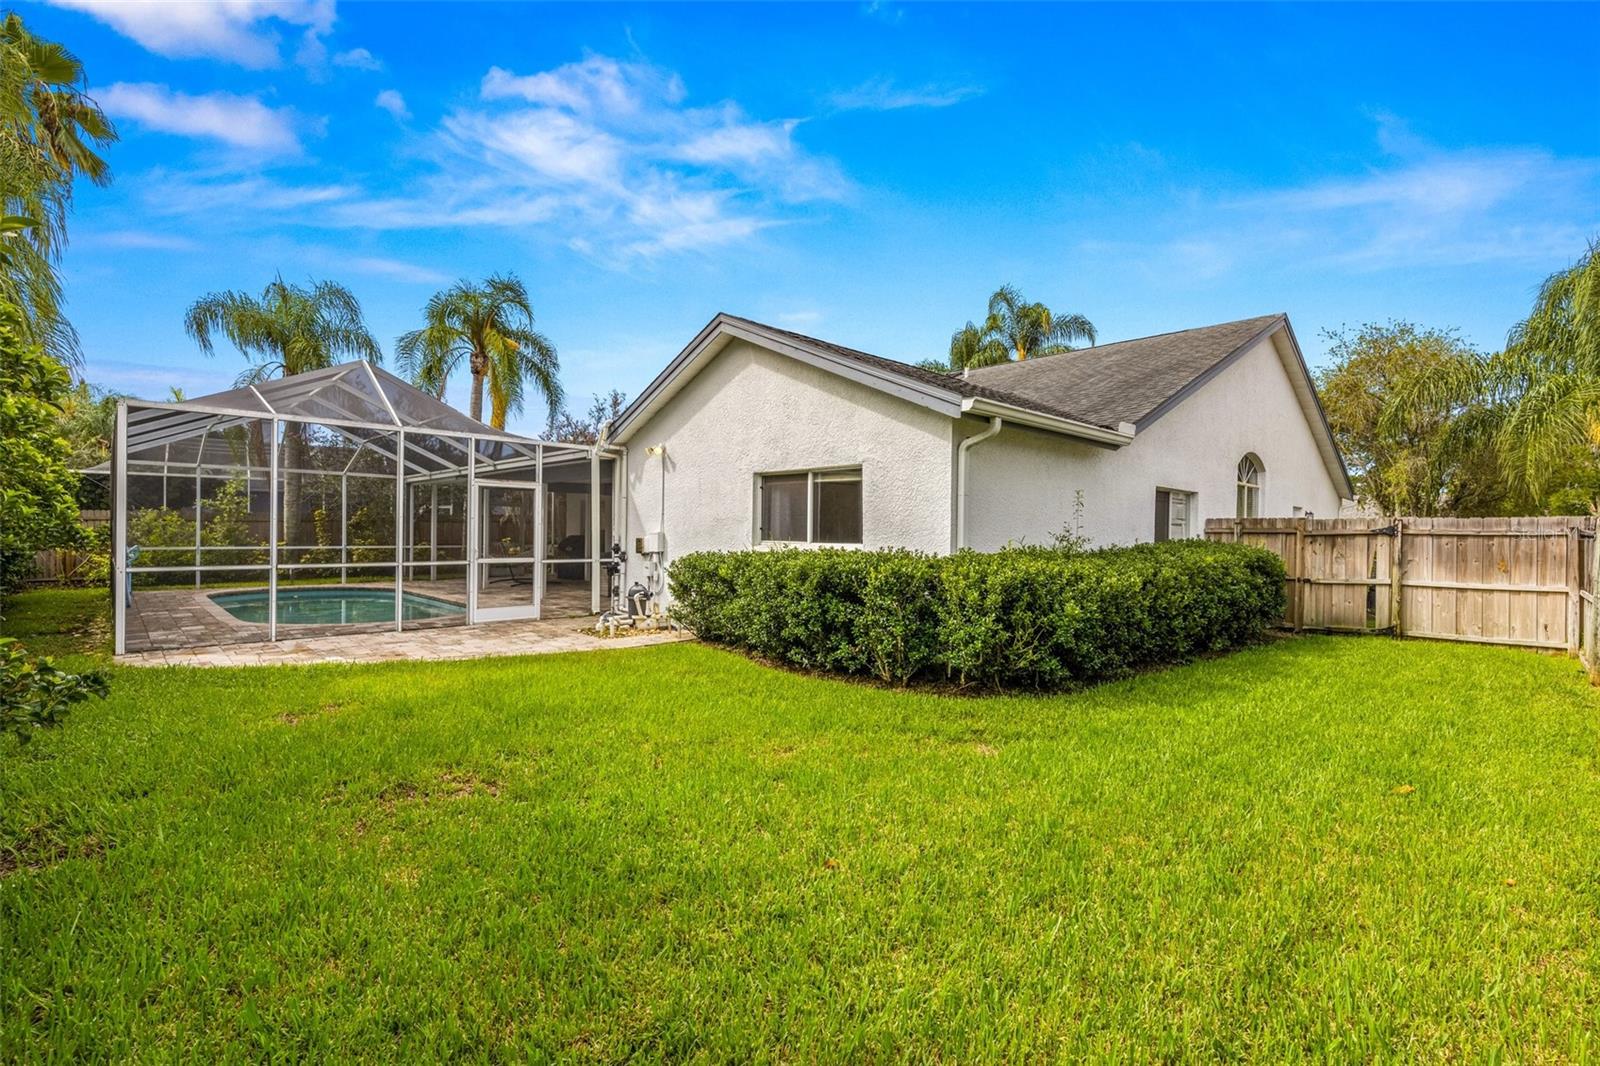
point(961, 478)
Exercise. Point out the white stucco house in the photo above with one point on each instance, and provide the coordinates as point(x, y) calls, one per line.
point(755, 435)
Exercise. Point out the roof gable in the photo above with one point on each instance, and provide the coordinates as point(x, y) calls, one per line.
point(948, 394)
point(1127, 381)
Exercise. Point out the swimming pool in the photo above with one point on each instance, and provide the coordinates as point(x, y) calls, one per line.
point(333, 606)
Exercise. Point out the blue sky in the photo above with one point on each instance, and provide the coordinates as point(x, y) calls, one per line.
point(867, 173)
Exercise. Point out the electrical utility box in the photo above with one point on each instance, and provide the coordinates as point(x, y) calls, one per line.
point(651, 544)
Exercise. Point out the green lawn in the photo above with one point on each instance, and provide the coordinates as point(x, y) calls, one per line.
point(1328, 848)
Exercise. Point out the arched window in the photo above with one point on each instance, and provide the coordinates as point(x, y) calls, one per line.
point(1249, 494)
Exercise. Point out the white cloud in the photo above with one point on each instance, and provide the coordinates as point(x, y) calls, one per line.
point(604, 155)
point(395, 269)
point(238, 31)
point(598, 85)
point(140, 240)
point(612, 154)
point(884, 11)
point(1437, 206)
point(256, 198)
point(881, 94)
point(357, 59)
point(391, 101)
point(1417, 205)
point(242, 121)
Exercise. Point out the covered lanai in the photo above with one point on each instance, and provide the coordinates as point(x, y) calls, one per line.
point(344, 500)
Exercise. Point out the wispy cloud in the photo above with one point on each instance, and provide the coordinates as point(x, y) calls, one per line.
point(1416, 205)
point(884, 11)
point(241, 121)
point(170, 193)
point(357, 59)
point(391, 101)
point(881, 94)
point(139, 240)
point(1437, 206)
point(395, 269)
point(244, 32)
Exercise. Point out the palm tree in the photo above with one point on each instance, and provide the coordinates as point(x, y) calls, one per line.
point(490, 327)
point(286, 330)
point(971, 347)
point(1029, 331)
point(50, 133)
point(1543, 389)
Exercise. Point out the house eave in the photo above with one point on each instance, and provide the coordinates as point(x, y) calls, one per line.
point(721, 330)
point(1022, 416)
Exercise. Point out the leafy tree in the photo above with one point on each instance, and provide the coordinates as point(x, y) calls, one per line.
point(585, 429)
point(88, 422)
point(1542, 391)
point(288, 329)
point(1031, 330)
point(50, 133)
point(38, 508)
point(1434, 459)
point(489, 327)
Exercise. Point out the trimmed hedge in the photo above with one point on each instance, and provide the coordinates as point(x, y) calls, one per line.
point(1030, 617)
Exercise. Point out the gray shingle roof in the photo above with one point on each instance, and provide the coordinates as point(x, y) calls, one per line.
point(953, 382)
point(1125, 381)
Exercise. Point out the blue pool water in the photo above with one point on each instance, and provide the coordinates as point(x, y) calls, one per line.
point(323, 606)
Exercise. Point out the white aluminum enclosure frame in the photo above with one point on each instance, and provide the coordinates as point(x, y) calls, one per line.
point(376, 412)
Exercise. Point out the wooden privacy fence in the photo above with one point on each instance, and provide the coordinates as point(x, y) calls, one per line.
point(64, 566)
point(1522, 581)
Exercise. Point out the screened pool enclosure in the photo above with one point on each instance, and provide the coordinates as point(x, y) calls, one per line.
point(339, 501)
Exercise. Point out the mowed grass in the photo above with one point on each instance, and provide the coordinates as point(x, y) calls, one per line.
point(1319, 848)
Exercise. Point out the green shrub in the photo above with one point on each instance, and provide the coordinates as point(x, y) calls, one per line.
point(34, 693)
point(1033, 617)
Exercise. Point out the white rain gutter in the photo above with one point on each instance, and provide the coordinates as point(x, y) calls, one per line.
point(961, 477)
point(1117, 438)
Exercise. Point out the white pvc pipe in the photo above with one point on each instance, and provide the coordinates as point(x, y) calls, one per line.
point(961, 479)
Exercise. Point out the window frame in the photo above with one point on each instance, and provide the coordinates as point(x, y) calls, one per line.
point(813, 476)
point(1191, 505)
point(1247, 495)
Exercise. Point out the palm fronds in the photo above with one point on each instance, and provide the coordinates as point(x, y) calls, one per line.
point(490, 328)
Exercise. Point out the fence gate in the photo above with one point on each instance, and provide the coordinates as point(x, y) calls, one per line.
point(1528, 582)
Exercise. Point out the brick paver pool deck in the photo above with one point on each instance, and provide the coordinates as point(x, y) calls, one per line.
point(456, 642)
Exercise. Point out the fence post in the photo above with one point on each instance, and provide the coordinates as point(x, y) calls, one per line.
point(1299, 584)
point(1574, 585)
point(1397, 562)
point(1594, 609)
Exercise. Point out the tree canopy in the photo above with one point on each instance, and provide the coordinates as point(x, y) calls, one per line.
point(1538, 400)
point(585, 428)
point(1434, 459)
point(288, 329)
point(38, 505)
point(51, 132)
point(1015, 329)
point(488, 328)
